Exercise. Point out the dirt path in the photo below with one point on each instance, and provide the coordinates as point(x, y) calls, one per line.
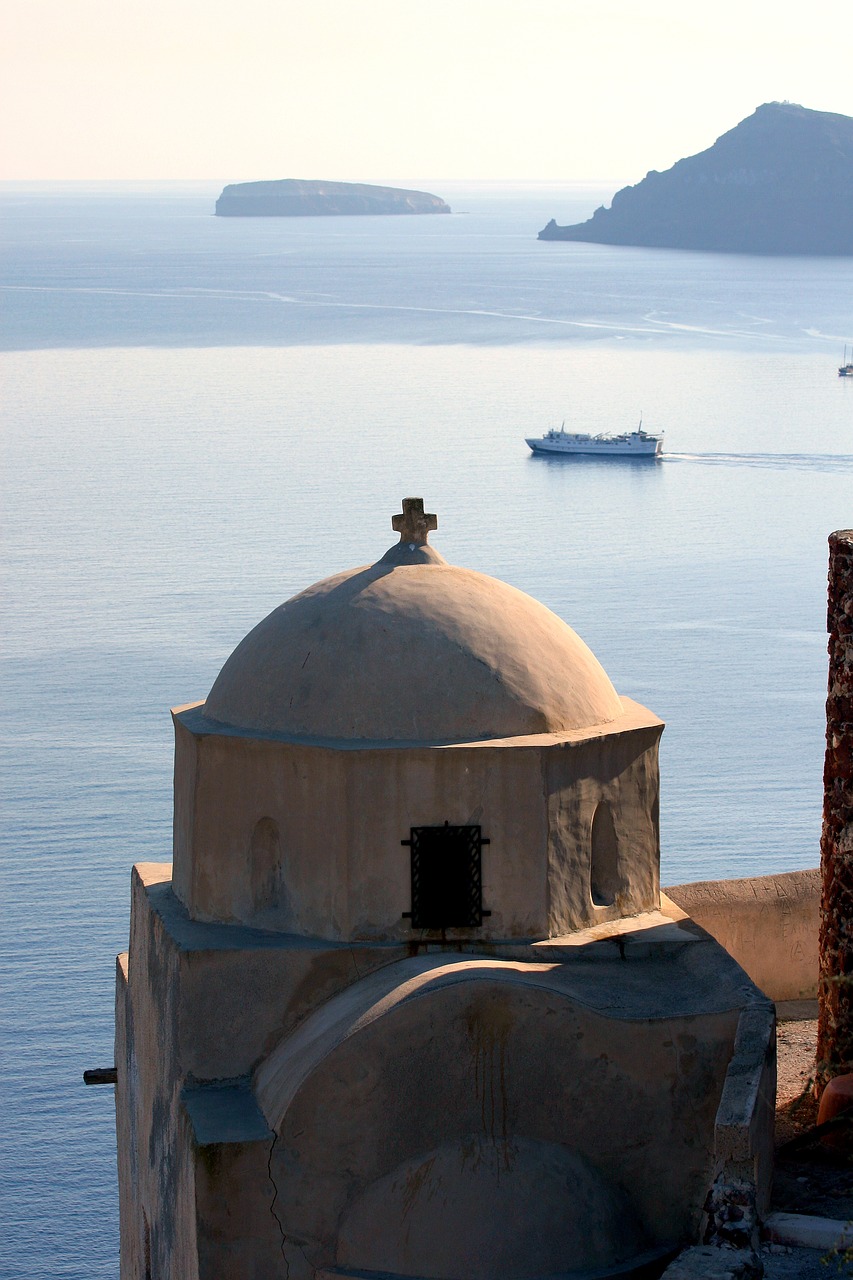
point(814, 1179)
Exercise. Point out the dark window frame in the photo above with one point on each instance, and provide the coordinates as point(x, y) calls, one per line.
point(446, 877)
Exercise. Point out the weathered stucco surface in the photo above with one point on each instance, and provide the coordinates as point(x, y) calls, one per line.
point(519, 1065)
point(603, 1056)
point(419, 652)
point(340, 814)
point(310, 1086)
point(156, 1166)
point(768, 923)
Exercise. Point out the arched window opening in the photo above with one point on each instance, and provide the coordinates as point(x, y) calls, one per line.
point(604, 858)
point(265, 865)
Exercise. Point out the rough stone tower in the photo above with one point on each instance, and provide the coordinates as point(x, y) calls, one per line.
point(835, 1026)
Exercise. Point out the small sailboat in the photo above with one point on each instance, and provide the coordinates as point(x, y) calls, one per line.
point(846, 369)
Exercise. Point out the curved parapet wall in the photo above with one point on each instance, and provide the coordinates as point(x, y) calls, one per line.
point(449, 1090)
point(769, 924)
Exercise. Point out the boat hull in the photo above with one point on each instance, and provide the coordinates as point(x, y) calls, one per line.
point(598, 448)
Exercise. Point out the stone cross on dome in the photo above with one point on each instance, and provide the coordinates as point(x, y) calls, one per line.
point(413, 525)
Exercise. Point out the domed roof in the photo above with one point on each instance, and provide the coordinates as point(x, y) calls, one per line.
point(412, 649)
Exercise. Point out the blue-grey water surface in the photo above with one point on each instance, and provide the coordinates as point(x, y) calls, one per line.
point(204, 415)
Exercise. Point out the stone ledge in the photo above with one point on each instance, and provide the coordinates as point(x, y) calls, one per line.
point(711, 1262)
point(755, 1045)
point(808, 1232)
point(224, 1111)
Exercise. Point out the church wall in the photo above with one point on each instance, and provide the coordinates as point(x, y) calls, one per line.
point(238, 1003)
point(126, 1102)
point(183, 815)
point(341, 816)
point(620, 771)
point(496, 788)
point(239, 990)
point(239, 1236)
point(336, 818)
point(532, 1064)
point(237, 782)
point(159, 1213)
point(513, 1065)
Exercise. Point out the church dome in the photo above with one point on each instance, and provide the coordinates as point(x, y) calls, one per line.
point(412, 649)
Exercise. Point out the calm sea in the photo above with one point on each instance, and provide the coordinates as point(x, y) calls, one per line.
point(204, 415)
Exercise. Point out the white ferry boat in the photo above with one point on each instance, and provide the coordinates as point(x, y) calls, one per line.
point(630, 444)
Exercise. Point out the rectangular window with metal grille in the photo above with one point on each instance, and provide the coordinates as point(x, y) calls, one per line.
point(447, 883)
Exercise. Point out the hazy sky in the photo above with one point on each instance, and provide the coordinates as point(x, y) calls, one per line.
point(394, 89)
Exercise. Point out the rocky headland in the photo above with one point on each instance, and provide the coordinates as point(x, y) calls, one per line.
point(295, 197)
point(780, 182)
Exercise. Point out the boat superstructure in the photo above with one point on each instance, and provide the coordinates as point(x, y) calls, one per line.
point(630, 444)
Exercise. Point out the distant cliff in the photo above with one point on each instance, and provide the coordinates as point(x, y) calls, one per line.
point(293, 198)
point(780, 182)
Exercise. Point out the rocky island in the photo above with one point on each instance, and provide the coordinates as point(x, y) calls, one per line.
point(295, 197)
point(780, 182)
